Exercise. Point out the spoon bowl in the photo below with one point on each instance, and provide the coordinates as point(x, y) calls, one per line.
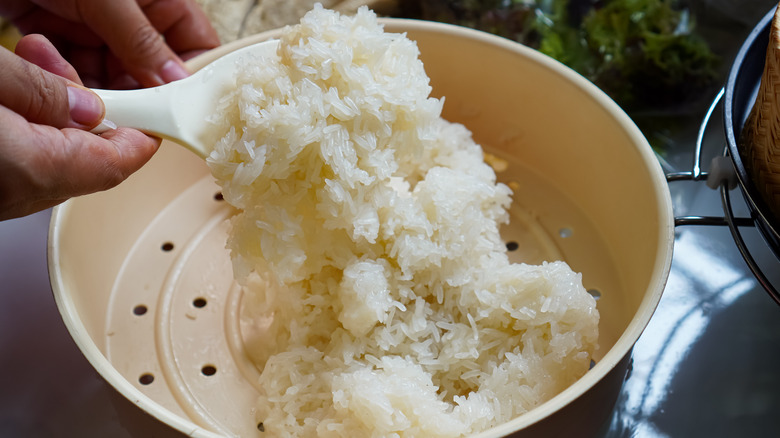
point(178, 110)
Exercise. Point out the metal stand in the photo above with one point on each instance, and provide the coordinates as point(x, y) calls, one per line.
point(721, 176)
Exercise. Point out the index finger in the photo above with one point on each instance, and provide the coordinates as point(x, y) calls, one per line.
point(137, 43)
point(183, 23)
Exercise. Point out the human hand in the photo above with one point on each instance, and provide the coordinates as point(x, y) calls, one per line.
point(46, 153)
point(118, 43)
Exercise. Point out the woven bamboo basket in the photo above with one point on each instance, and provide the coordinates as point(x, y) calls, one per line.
point(759, 143)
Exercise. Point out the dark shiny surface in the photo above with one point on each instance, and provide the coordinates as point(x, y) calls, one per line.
point(708, 364)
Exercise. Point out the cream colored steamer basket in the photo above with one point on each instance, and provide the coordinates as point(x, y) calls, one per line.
point(145, 287)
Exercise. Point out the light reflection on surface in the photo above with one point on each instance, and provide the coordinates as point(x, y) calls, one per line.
point(700, 284)
point(708, 364)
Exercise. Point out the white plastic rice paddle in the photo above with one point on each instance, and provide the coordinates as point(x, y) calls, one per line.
point(178, 110)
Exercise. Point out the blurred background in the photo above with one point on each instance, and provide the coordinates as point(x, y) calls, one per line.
point(708, 365)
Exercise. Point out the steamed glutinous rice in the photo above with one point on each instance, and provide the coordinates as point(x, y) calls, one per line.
point(368, 245)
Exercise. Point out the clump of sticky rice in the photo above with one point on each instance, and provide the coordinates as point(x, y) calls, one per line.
point(368, 245)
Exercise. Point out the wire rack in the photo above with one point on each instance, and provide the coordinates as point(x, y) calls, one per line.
point(722, 176)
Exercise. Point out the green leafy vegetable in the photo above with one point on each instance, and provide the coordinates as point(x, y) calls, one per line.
point(643, 53)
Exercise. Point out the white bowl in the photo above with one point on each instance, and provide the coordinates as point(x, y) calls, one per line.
point(587, 188)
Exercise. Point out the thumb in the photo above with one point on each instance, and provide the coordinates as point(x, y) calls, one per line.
point(44, 98)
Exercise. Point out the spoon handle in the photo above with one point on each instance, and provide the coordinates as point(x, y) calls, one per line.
point(139, 109)
point(149, 110)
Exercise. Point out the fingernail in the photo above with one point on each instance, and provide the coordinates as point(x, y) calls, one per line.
point(172, 71)
point(86, 108)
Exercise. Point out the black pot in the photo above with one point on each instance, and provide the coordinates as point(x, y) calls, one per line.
point(740, 94)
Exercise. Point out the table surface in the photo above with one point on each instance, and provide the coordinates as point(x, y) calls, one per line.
point(708, 364)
